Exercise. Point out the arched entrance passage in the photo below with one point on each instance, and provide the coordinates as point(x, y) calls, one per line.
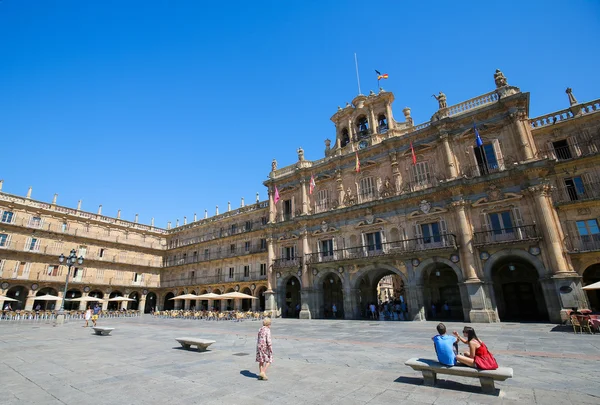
point(333, 296)
point(246, 302)
point(217, 303)
point(114, 305)
point(260, 293)
point(73, 305)
point(292, 298)
point(441, 293)
point(150, 303)
point(381, 285)
point(46, 305)
point(134, 305)
point(169, 304)
point(591, 275)
point(18, 293)
point(203, 303)
point(517, 290)
point(96, 294)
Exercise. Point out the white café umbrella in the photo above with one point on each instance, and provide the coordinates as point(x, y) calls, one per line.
point(86, 299)
point(232, 295)
point(120, 299)
point(594, 286)
point(5, 298)
point(211, 296)
point(48, 297)
point(185, 297)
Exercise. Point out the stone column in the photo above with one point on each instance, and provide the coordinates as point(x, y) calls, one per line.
point(520, 126)
point(449, 156)
point(388, 112)
point(211, 304)
point(105, 302)
point(465, 240)
point(397, 176)
point(340, 188)
point(305, 202)
point(306, 287)
point(373, 121)
point(186, 305)
point(272, 208)
point(270, 304)
point(30, 300)
point(142, 305)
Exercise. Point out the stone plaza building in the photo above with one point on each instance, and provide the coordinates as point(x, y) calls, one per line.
point(482, 209)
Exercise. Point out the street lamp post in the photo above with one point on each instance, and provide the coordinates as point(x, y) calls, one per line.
point(70, 261)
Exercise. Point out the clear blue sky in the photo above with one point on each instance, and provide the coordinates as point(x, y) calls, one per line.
point(165, 108)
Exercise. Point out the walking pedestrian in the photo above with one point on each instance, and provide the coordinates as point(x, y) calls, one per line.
point(88, 316)
point(95, 314)
point(264, 350)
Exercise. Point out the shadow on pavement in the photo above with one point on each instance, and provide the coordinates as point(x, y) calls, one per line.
point(248, 373)
point(562, 328)
point(446, 384)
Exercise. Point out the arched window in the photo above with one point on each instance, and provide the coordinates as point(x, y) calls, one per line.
point(345, 137)
point(382, 124)
point(362, 127)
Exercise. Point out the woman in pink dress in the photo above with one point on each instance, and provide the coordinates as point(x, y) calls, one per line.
point(264, 350)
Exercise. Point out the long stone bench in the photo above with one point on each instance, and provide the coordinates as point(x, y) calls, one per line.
point(430, 369)
point(202, 344)
point(102, 331)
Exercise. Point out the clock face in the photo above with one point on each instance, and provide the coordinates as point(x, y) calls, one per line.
point(363, 144)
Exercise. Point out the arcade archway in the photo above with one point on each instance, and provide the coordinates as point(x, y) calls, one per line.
point(260, 293)
point(46, 305)
point(18, 293)
point(591, 275)
point(382, 287)
point(114, 305)
point(442, 294)
point(134, 305)
point(517, 290)
point(217, 303)
point(333, 296)
point(292, 298)
point(150, 303)
point(246, 302)
point(169, 304)
point(73, 305)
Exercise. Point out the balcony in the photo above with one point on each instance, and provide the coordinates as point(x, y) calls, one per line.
point(571, 151)
point(423, 183)
point(567, 194)
point(287, 262)
point(214, 255)
point(404, 246)
point(369, 195)
point(486, 168)
point(322, 206)
point(585, 243)
point(506, 235)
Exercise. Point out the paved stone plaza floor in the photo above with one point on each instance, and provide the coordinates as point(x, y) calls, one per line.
point(316, 362)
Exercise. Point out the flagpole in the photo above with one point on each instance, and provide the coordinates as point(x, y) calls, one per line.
point(357, 77)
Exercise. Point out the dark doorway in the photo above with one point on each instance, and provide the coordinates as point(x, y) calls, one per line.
point(169, 304)
point(292, 298)
point(18, 293)
point(442, 295)
point(591, 275)
point(150, 303)
point(333, 297)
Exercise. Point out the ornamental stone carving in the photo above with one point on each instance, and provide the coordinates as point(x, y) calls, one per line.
point(387, 189)
point(500, 79)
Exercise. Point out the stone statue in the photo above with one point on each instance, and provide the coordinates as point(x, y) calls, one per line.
point(500, 79)
point(273, 165)
point(349, 199)
point(572, 99)
point(300, 154)
point(441, 98)
point(387, 189)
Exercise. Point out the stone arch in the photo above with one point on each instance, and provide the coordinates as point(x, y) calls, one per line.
point(19, 293)
point(330, 292)
point(357, 277)
point(134, 305)
point(46, 305)
point(151, 300)
point(74, 305)
point(426, 265)
point(288, 293)
point(324, 272)
point(507, 254)
point(246, 302)
point(168, 303)
point(259, 292)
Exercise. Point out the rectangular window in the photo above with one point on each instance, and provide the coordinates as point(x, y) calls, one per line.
point(327, 247)
point(219, 274)
point(289, 253)
point(195, 258)
point(101, 253)
point(264, 220)
point(99, 274)
point(263, 269)
point(33, 244)
point(64, 227)
point(35, 222)
point(3, 240)
point(575, 188)
point(135, 277)
point(562, 150)
point(192, 274)
point(7, 217)
point(247, 246)
point(287, 209)
point(263, 244)
point(206, 254)
point(421, 174)
point(367, 188)
point(588, 227)
point(246, 271)
point(248, 226)
point(232, 248)
point(486, 159)
point(431, 232)
point(323, 200)
point(233, 229)
point(501, 222)
point(373, 241)
point(231, 272)
point(53, 270)
point(82, 251)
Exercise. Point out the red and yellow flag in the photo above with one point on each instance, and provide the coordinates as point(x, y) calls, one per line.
point(414, 156)
point(383, 76)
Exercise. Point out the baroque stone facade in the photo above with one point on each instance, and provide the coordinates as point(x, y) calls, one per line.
point(504, 228)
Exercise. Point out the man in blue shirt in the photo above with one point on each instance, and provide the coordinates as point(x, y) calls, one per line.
point(444, 346)
point(96, 314)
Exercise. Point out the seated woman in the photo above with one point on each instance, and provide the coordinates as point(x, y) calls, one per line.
point(478, 355)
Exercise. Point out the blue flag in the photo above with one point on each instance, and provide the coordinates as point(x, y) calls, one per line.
point(478, 140)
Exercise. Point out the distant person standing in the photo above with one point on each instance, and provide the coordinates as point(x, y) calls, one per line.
point(334, 310)
point(264, 350)
point(372, 309)
point(88, 316)
point(95, 314)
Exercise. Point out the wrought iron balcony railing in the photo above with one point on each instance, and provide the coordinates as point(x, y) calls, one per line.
point(583, 243)
point(574, 150)
point(486, 168)
point(287, 262)
point(564, 194)
point(505, 235)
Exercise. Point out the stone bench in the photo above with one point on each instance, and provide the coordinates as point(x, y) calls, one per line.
point(102, 331)
point(202, 344)
point(430, 369)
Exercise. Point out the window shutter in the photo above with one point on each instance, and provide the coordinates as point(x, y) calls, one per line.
point(418, 235)
point(574, 146)
point(551, 151)
point(443, 232)
point(573, 235)
point(37, 245)
point(293, 204)
point(498, 153)
point(8, 238)
point(476, 171)
point(282, 252)
point(27, 244)
point(384, 246)
point(520, 231)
